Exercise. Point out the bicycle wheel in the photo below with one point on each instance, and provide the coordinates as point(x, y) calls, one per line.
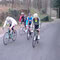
point(28, 35)
point(33, 43)
point(37, 40)
point(5, 38)
point(14, 35)
point(34, 40)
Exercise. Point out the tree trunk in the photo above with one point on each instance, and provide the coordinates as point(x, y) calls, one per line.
point(12, 3)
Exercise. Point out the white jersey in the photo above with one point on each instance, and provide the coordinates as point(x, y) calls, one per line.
point(10, 19)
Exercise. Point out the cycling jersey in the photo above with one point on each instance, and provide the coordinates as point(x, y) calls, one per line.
point(36, 23)
point(29, 20)
point(11, 21)
point(21, 19)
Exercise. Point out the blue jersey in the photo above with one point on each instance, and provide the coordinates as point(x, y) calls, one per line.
point(29, 19)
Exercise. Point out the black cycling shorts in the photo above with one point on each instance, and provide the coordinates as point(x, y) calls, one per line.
point(36, 26)
point(29, 23)
point(12, 27)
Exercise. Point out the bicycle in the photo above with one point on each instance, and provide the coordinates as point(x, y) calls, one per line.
point(35, 38)
point(9, 35)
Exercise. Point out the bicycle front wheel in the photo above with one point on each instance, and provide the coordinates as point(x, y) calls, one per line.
point(33, 43)
point(5, 38)
point(28, 35)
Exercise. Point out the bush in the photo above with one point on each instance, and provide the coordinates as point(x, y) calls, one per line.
point(15, 14)
point(45, 18)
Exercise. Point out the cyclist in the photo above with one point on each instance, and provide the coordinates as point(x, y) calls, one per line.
point(21, 19)
point(29, 21)
point(11, 22)
point(36, 24)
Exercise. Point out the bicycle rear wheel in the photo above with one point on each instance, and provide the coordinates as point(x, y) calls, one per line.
point(5, 38)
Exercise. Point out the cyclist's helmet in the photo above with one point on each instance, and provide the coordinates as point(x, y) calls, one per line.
point(29, 14)
point(35, 15)
point(22, 13)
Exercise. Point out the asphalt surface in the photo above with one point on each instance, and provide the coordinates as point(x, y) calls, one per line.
point(47, 49)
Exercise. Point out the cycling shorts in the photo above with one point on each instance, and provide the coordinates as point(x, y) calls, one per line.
point(29, 23)
point(12, 27)
point(36, 26)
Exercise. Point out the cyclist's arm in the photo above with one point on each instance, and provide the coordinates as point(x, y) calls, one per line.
point(5, 23)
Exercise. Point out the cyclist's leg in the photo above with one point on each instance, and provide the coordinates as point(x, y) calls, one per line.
point(34, 34)
point(13, 30)
point(21, 25)
point(25, 25)
point(26, 28)
point(9, 28)
point(30, 28)
point(36, 28)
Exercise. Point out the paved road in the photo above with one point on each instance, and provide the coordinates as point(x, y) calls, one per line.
point(47, 49)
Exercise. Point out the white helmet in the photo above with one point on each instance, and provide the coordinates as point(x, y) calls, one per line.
point(22, 13)
point(35, 15)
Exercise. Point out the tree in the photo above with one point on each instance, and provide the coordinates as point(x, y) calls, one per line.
point(4, 2)
point(56, 4)
point(12, 3)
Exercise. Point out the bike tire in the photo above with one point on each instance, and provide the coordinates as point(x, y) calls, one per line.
point(5, 38)
point(28, 37)
point(33, 43)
